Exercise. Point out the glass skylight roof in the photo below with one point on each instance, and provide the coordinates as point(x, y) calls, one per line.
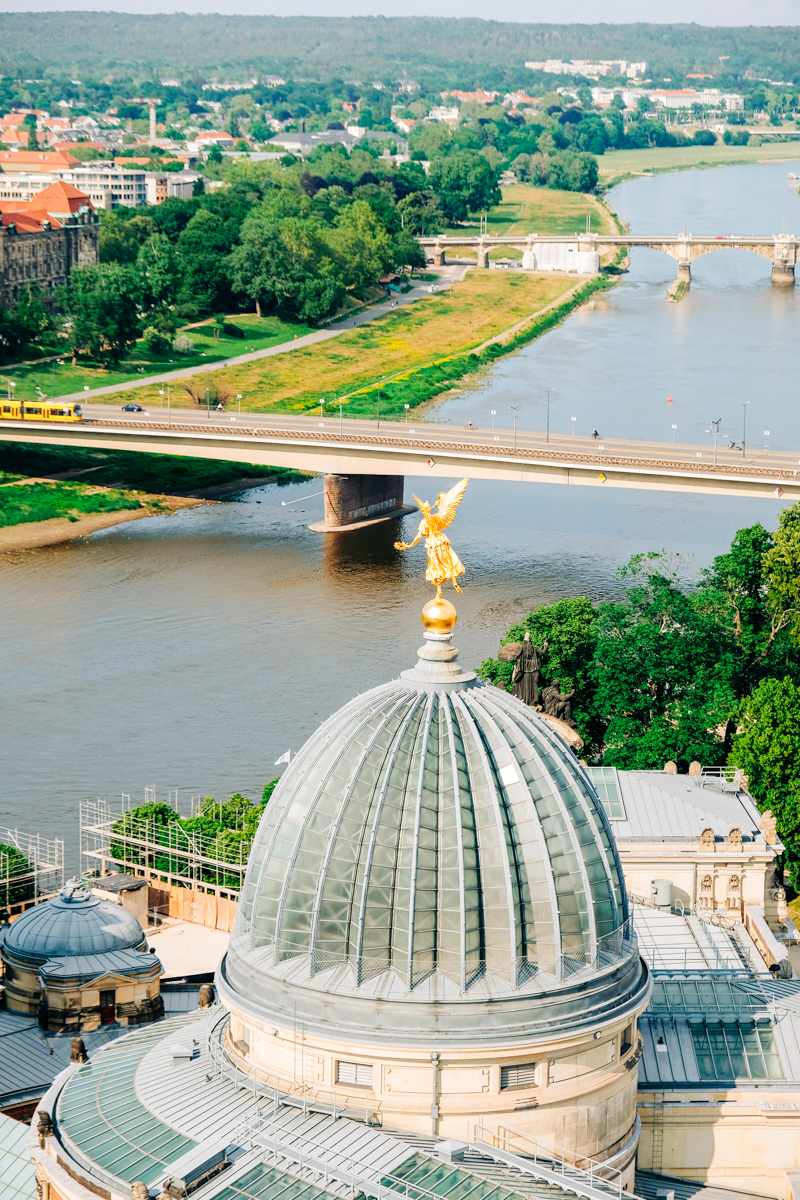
point(701, 995)
point(265, 1183)
point(735, 1048)
point(606, 784)
point(99, 1112)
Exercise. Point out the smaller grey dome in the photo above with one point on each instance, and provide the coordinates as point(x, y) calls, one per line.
point(73, 922)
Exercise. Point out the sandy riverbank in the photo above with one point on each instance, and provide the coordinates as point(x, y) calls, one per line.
point(31, 535)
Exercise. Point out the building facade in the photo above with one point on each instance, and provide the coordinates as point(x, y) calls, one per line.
point(43, 239)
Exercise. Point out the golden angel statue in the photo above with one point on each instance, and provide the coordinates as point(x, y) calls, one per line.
point(443, 562)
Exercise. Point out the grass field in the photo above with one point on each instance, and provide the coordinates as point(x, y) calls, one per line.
point(620, 163)
point(528, 209)
point(162, 474)
point(483, 305)
point(63, 379)
point(23, 503)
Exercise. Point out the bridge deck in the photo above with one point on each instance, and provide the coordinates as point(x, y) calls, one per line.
point(440, 451)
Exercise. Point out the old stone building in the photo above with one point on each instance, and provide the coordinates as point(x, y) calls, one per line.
point(78, 962)
point(41, 240)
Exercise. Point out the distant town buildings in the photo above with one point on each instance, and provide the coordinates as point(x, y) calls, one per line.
point(673, 99)
point(592, 69)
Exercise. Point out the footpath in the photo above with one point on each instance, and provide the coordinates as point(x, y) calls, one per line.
point(448, 276)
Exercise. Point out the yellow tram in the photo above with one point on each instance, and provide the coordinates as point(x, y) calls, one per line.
point(40, 410)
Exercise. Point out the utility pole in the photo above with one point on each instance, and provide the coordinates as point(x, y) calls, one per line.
point(513, 409)
point(744, 427)
point(547, 435)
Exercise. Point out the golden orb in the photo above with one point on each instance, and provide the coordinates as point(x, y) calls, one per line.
point(439, 616)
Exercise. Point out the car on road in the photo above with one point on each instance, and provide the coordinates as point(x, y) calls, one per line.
point(132, 408)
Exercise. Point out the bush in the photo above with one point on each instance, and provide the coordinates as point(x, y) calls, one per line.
point(155, 341)
point(704, 137)
point(232, 331)
point(183, 344)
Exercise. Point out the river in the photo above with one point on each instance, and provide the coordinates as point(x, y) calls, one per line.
point(190, 652)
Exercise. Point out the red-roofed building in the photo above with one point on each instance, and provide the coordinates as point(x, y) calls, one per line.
point(16, 137)
point(481, 96)
point(41, 240)
point(32, 162)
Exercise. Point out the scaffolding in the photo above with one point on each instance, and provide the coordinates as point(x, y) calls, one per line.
point(162, 852)
point(31, 867)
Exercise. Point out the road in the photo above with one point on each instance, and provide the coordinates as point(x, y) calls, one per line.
point(356, 446)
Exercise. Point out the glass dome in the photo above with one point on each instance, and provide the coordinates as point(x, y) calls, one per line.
point(73, 922)
point(434, 827)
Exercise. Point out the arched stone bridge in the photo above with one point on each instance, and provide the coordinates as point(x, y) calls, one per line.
point(571, 252)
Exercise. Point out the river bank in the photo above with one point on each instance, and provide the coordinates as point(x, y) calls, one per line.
point(33, 535)
point(617, 166)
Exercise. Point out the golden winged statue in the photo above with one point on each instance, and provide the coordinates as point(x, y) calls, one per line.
point(443, 562)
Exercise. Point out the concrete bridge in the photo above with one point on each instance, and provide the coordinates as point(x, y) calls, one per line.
point(580, 252)
point(365, 465)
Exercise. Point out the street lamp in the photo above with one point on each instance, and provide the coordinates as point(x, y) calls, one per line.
point(406, 407)
point(239, 398)
point(716, 425)
point(674, 427)
point(744, 427)
point(321, 406)
point(494, 414)
point(573, 419)
point(512, 408)
point(547, 436)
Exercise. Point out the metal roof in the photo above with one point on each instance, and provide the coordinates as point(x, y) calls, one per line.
point(94, 966)
point(134, 1111)
point(675, 808)
point(669, 942)
point(30, 1059)
point(17, 1176)
point(73, 922)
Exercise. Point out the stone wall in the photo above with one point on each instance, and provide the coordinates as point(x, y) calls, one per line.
point(46, 257)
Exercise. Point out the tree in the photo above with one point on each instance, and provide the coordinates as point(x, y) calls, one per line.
point(215, 154)
point(157, 271)
point(420, 213)
point(464, 183)
point(407, 252)
point(103, 303)
point(286, 267)
point(704, 137)
point(570, 629)
point(767, 747)
point(661, 672)
point(202, 252)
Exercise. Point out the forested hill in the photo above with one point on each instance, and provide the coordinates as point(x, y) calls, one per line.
point(435, 50)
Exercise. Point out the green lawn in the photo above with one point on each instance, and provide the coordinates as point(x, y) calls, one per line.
point(528, 209)
point(615, 163)
point(162, 474)
point(43, 501)
point(63, 379)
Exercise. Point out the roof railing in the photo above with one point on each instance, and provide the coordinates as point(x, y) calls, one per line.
point(578, 1171)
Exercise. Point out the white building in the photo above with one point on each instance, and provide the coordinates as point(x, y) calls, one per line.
point(441, 112)
point(592, 69)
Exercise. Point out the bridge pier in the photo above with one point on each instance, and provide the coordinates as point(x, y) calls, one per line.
point(355, 500)
point(783, 273)
point(684, 273)
point(439, 259)
point(483, 257)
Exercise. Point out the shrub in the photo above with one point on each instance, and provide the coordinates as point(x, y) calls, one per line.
point(183, 344)
point(704, 137)
point(155, 341)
